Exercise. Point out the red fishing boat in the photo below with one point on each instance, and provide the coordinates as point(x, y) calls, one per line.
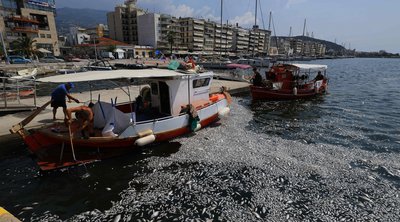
point(292, 81)
point(172, 104)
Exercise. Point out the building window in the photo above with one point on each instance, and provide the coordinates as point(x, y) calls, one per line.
point(48, 36)
point(42, 36)
point(43, 21)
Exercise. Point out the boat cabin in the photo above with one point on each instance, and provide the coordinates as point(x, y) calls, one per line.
point(287, 76)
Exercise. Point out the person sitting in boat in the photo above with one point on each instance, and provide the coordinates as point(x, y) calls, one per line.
point(58, 98)
point(319, 76)
point(257, 79)
point(270, 77)
point(82, 126)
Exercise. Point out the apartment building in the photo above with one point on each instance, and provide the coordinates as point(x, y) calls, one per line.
point(192, 31)
point(122, 22)
point(149, 29)
point(29, 18)
point(240, 40)
point(258, 41)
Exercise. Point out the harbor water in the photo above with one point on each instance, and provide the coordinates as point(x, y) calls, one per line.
point(332, 158)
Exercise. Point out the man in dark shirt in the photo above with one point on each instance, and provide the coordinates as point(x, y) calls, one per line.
point(257, 79)
point(319, 76)
point(58, 98)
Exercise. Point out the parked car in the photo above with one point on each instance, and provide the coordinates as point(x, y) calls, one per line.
point(18, 60)
point(50, 59)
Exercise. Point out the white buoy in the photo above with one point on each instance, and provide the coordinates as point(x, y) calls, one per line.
point(223, 112)
point(145, 140)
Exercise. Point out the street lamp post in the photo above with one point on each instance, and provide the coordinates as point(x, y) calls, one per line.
point(95, 49)
point(4, 48)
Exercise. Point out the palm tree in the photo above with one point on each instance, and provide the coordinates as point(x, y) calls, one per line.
point(170, 37)
point(25, 46)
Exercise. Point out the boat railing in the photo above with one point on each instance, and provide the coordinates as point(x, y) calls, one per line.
point(17, 94)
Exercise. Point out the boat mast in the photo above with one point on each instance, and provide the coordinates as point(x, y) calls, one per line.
point(220, 39)
point(270, 17)
point(255, 17)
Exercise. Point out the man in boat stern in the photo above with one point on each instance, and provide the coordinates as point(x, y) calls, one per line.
point(257, 78)
point(58, 98)
point(82, 126)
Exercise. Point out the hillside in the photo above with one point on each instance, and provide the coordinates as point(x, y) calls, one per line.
point(329, 45)
point(69, 17)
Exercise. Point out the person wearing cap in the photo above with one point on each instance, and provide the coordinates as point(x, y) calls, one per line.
point(58, 98)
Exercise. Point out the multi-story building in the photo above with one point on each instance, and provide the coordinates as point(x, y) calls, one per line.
point(296, 45)
point(149, 30)
point(259, 41)
point(193, 33)
point(171, 35)
point(209, 36)
point(29, 18)
point(123, 22)
point(183, 35)
point(241, 39)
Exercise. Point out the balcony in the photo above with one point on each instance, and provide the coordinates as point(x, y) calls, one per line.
point(25, 29)
point(23, 19)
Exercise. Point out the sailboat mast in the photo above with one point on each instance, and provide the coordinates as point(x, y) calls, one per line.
point(255, 17)
point(220, 39)
point(270, 18)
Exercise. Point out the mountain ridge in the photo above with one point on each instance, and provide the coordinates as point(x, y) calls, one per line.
point(72, 17)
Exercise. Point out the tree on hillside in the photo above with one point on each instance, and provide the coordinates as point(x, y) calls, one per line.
point(25, 46)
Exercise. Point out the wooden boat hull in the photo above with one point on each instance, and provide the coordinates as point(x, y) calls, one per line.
point(263, 93)
point(53, 150)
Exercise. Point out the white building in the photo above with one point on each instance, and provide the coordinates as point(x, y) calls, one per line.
point(149, 30)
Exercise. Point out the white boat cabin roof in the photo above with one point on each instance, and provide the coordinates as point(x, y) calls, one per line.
point(114, 74)
point(311, 67)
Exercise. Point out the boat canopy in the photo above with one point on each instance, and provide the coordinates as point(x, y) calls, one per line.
point(310, 67)
point(113, 75)
point(240, 66)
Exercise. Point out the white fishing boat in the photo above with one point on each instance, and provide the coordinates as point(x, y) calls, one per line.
point(173, 104)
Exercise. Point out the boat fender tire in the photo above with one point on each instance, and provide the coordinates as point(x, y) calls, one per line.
point(223, 112)
point(145, 140)
point(295, 91)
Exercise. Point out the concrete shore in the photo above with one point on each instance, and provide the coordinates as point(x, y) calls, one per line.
point(46, 115)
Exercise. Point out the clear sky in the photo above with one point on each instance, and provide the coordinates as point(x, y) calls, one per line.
point(366, 25)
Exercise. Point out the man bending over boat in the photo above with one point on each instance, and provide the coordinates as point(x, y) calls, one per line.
point(58, 98)
point(83, 125)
